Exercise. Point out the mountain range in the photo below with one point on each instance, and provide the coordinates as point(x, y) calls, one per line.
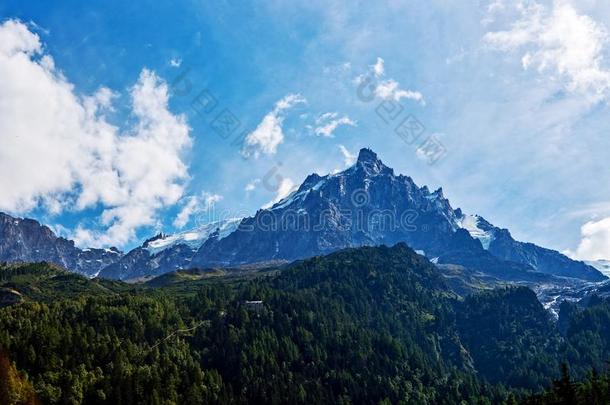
point(364, 205)
point(26, 240)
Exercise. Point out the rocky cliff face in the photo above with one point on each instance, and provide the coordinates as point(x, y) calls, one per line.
point(501, 244)
point(26, 240)
point(543, 260)
point(164, 253)
point(141, 263)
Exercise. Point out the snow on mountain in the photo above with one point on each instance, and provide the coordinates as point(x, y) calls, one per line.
point(163, 253)
point(193, 238)
point(472, 223)
point(311, 184)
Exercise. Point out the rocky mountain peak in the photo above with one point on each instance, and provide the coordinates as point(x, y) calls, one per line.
point(367, 155)
point(310, 181)
point(158, 236)
point(26, 240)
point(370, 163)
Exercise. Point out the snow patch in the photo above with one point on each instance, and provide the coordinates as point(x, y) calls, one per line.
point(471, 224)
point(194, 238)
point(290, 199)
point(298, 195)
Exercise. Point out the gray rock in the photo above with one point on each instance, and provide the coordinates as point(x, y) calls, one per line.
point(26, 240)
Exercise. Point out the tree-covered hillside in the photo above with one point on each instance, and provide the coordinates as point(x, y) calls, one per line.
point(367, 325)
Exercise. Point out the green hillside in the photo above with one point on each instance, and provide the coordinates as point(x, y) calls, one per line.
point(367, 325)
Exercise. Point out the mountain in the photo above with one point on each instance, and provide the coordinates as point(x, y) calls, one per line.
point(368, 204)
point(164, 253)
point(501, 244)
point(507, 332)
point(466, 251)
point(26, 240)
point(602, 265)
point(141, 263)
point(364, 205)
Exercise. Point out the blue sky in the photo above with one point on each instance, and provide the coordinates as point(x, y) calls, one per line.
point(516, 92)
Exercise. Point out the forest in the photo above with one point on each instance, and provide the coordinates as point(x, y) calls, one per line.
point(368, 325)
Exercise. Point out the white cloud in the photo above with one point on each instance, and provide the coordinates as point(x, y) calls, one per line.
point(185, 213)
point(61, 151)
point(284, 189)
point(328, 122)
point(559, 41)
point(595, 242)
point(269, 134)
point(379, 68)
point(495, 7)
point(210, 200)
point(252, 185)
point(388, 89)
point(195, 205)
point(348, 157)
point(175, 62)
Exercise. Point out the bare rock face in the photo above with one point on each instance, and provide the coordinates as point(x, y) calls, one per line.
point(26, 240)
point(141, 263)
point(543, 260)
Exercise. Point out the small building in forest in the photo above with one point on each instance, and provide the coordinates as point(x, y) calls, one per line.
point(255, 306)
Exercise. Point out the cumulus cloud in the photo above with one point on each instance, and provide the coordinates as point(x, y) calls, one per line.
point(195, 205)
point(59, 150)
point(388, 89)
point(269, 133)
point(328, 122)
point(349, 158)
point(595, 242)
point(559, 41)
